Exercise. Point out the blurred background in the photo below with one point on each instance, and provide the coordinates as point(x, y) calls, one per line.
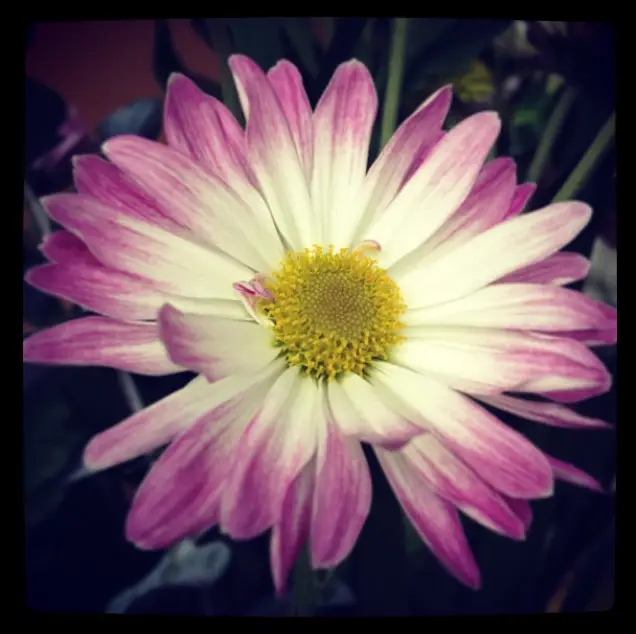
point(553, 84)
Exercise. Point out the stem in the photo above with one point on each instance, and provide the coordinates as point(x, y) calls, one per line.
point(36, 211)
point(131, 394)
point(550, 135)
point(306, 589)
point(394, 81)
point(577, 179)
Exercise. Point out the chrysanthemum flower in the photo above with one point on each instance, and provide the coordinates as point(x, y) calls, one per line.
point(323, 305)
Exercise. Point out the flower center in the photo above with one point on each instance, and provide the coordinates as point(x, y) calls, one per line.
point(333, 312)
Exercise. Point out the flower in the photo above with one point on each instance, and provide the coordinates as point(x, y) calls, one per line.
point(323, 305)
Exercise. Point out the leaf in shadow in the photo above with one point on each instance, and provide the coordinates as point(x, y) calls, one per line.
point(166, 60)
point(141, 118)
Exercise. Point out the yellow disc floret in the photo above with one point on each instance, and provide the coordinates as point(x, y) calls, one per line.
point(333, 312)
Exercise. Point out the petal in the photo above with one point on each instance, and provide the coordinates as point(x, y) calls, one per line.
point(520, 307)
point(153, 426)
point(451, 479)
point(273, 156)
point(235, 221)
point(559, 269)
point(292, 530)
point(172, 263)
point(203, 129)
point(485, 206)
point(434, 519)
point(505, 248)
point(522, 195)
point(287, 83)
point(343, 121)
point(181, 493)
point(215, 347)
point(105, 182)
point(361, 414)
point(63, 247)
point(547, 413)
point(83, 280)
point(410, 143)
point(501, 456)
point(342, 495)
point(569, 473)
point(522, 509)
point(488, 361)
point(437, 189)
point(101, 341)
point(278, 442)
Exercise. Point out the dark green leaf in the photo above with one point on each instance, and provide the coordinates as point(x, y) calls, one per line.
point(298, 31)
point(166, 61)
point(258, 38)
point(450, 48)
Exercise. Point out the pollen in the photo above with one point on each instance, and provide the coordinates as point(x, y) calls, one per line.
point(333, 312)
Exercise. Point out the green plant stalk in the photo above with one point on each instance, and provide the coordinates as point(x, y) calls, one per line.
point(306, 589)
point(550, 135)
point(394, 81)
point(591, 159)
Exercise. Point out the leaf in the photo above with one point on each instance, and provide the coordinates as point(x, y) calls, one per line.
point(258, 38)
point(449, 49)
point(166, 61)
point(299, 34)
point(141, 117)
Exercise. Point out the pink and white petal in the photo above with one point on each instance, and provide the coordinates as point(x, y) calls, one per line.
point(485, 206)
point(153, 426)
point(288, 86)
point(360, 413)
point(102, 342)
point(502, 457)
point(95, 287)
point(488, 361)
point(273, 156)
point(411, 142)
point(547, 413)
point(99, 179)
point(342, 494)
point(569, 473)
point(200, 201)
point(292, 530)
point(215, 347)
point(278, 442)
point(202, 128)
point(62, 247)
point(451, 479)
point(181, 494)
point(343, 121)
point(173, 264)
point(437, 189)
point(522, 509)
point(518, 306)
point(559, 269)
point(522, 195)
point(434, 519)
point(503, 249)
point(577, 374)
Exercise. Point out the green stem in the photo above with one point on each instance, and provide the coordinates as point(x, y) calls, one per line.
point(394, 82)
point(550, 135)
point(305, 589)
point(586, 166)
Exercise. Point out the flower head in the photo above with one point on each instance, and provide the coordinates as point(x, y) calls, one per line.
point(324, 305)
